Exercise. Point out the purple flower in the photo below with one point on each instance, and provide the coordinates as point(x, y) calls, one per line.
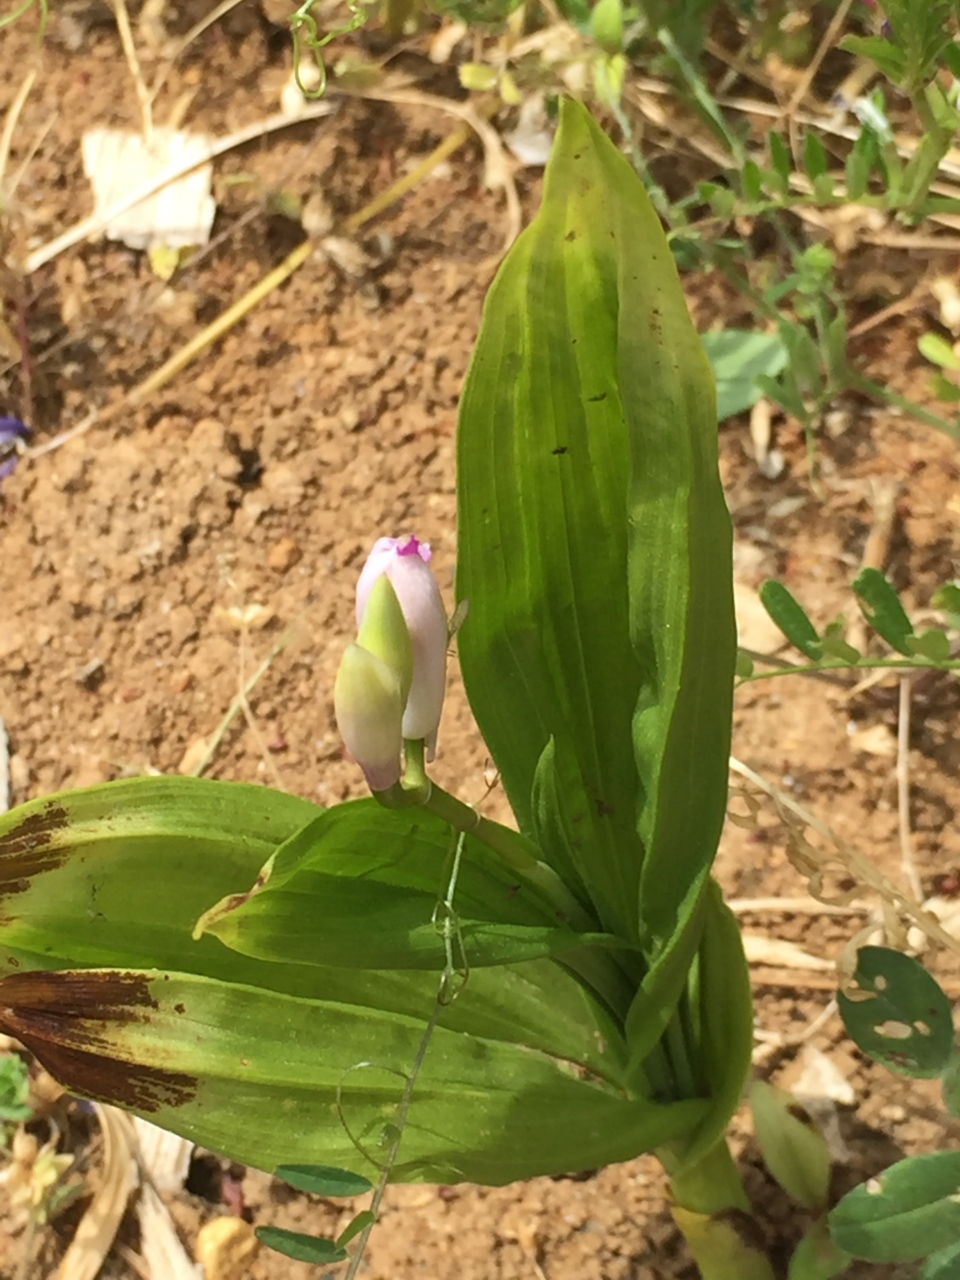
point(405, 562)
point(12, 432)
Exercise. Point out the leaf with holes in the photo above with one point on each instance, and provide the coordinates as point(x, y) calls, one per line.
point(910, 1211)
point(882, 609)
point(898, 1014)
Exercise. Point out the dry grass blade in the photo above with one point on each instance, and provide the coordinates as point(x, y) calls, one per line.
point(781, 954)
point(499, 171)
point(792, 906)
point(161, 1247)
point(122, 17)
point(826, 44)
point(98, 1226)
point(11, 119)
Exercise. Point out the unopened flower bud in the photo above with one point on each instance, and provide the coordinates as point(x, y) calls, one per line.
point(369, 709)
point(405, 562)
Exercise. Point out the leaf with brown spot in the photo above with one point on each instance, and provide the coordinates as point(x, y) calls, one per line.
point(268, 1079)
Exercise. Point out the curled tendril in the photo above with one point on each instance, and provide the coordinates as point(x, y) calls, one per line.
point(303, 28)
point(7, 18)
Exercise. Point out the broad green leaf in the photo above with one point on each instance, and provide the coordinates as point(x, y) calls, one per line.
point(910, 1211)
point(680, 557)
point(542, 492)
point(737, 356)
point(882, 609)
point(663, 986)
point(587, 435)
point(944, 389)
point(790, 617)
point(117, 874)
point(898, 1013)
point(745, 665)
point(360, 887)
point(784, 392)
point(270, 1079)
point(299, 1246)
point(323, 1180)
point(793, 1148)
point(833, 645)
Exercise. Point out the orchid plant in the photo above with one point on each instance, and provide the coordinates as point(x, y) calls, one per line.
point(398, 985)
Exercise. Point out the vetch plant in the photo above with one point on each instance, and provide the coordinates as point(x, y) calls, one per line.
point(398, 986)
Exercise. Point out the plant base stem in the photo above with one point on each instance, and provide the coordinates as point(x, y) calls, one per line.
point(711, 1208)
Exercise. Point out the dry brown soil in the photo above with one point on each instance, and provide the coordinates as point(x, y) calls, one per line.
point(260, 476)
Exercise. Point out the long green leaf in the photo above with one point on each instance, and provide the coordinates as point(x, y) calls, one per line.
point(115, 877)
point(270, 1079)
point(542, 476)
point(594, 544)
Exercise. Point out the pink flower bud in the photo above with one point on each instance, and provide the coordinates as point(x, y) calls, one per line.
point(369, 708)
point(405, 561)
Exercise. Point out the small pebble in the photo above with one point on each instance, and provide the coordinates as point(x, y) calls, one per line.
point(284, 555)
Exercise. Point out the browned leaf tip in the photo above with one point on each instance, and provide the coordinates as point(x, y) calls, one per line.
point(74, 1020)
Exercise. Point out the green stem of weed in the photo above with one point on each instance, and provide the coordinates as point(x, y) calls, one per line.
point(885, 396)
point(865, 664)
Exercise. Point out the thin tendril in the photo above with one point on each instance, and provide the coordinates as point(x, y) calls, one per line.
point(452, 982)
point(6, 20)
point(303, 28)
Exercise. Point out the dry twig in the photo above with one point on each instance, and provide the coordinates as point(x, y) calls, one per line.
point(824, 47)
point(133, 62)
point(907, 862)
